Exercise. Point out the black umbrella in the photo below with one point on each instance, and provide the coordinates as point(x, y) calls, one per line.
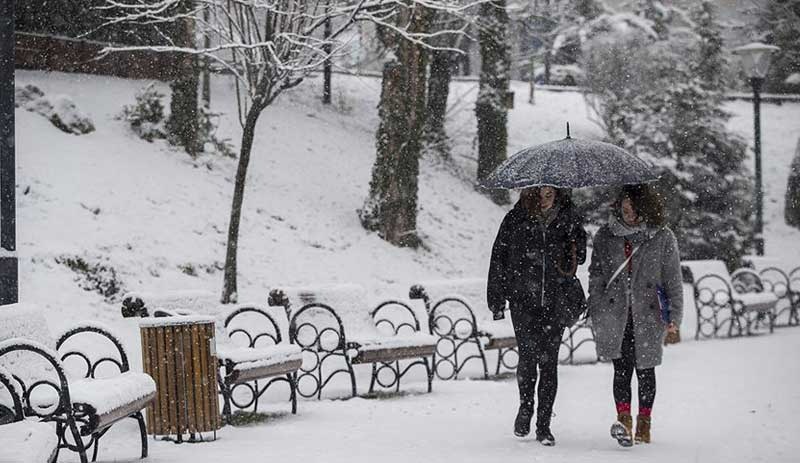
point(570, 163)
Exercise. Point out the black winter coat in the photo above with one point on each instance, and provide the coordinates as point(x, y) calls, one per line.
point(526, 258)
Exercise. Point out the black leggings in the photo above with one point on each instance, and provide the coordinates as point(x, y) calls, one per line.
point(623, 374)
point(538, 345)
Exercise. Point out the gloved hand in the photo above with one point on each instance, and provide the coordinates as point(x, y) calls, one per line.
point(499, 315)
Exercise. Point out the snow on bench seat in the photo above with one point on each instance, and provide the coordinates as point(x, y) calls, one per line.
point(112, 399)
point(255, 362)
point(28, 441)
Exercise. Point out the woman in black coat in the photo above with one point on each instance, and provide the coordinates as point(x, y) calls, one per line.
point(537, 250)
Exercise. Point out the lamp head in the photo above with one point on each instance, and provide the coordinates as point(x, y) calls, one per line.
point(755, 58)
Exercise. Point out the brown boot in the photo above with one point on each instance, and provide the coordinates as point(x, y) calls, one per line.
point(622, 430)
point(642, 430)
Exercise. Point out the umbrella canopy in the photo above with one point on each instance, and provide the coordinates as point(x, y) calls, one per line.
point(570, 163)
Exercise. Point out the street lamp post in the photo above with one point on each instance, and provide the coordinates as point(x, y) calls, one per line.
point(9, 292)
point(755, 58)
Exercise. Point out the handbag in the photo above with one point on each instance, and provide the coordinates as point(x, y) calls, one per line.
point(573, 304)
point(573, 298)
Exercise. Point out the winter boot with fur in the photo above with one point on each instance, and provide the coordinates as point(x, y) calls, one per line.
point(522, 424)
point(642, 430)
point(622, 429)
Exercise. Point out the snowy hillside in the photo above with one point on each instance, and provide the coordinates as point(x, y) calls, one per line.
point(159, 219)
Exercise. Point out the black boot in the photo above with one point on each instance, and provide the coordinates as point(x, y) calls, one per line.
point(543, 433)
point(545, 437)
point(522, 424)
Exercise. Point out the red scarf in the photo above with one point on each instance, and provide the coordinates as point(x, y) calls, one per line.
point(628, 253)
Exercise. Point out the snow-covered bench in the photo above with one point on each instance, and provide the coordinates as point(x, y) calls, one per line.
point(21, 440)
point(720, 304)
point(783, 280)
point(458, 316)
point(83, 405)
point(250, 342)
point(257, 351)
point(335, 323)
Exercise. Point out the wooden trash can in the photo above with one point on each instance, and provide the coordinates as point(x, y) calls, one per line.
point(180, 354)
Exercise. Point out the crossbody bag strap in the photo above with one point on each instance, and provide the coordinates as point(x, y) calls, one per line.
point(619, 269)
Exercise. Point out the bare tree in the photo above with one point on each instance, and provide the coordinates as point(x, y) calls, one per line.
point(268, 46)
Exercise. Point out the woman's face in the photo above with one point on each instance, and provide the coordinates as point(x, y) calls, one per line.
point(629, 215)
point(547, 196)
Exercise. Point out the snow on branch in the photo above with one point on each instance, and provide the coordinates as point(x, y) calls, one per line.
point(268, 44)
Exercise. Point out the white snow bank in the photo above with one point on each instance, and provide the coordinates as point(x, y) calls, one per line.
point(27, 441)
point(25, 320)
point(62, 112)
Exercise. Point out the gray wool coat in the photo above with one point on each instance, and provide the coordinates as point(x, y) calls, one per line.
point(656, 263)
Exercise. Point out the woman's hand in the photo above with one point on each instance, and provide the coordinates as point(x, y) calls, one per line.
point(672, 328)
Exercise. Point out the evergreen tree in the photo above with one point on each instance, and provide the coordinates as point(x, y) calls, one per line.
point(779, 24)
point(669, 110)
point(490, 108)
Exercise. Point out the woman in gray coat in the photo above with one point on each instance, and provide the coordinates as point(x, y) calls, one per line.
point(635, 299)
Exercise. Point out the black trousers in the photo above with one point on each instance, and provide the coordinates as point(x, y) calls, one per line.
point(623, 373)
point(537, 343)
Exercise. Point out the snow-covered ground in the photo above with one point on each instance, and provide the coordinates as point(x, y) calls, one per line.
point(159, 219)
point(718, 401)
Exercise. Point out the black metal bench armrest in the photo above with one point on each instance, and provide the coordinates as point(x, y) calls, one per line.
point(16, 413)
point(64, 406)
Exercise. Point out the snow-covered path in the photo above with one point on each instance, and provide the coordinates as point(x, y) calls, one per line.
point(718, 401)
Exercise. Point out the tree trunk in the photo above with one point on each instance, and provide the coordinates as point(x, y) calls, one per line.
point(792, 208)
point(326, 66)
point(490, 108)
point(206, 67)
point(435, 136)
point(229, 289)
point(183, 120)
point(391, 207)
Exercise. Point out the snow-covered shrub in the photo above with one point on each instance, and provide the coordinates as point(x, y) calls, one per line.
point(211, 142)
point(67, 117)
point(146, 115)
point(148, 120)
point(792, 208)
point(667, 108)
point(94, 276)
point(61, 112)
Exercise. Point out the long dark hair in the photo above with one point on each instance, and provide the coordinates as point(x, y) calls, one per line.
point(529, 199)
point(647, 203)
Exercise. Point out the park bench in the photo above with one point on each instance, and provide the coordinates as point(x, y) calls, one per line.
point(459, 317)
point(21, 440)
point(250, 343)
point(82, 406)
point(336, 328)
point(780, 279)
point(719, 303)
